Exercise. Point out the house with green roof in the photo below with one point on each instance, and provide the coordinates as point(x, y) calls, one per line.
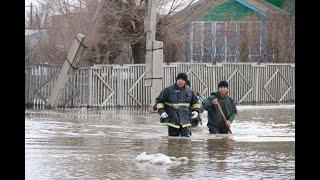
point(213, 35)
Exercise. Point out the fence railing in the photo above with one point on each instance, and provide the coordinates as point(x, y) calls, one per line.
point(114, 85)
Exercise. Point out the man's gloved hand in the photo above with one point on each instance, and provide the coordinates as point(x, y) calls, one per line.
point(194, 114)
point(164, 115)
point(228, 123)
point(215, 101)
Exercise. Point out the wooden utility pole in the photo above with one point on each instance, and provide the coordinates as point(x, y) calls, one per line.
point(150, 26)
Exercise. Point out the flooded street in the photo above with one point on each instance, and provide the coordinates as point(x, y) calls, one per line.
point(104, 144)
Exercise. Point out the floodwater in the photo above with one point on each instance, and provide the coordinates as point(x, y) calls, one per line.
point(104, 144)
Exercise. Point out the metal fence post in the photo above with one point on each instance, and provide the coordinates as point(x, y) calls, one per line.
point(90, 77)
point(256, 84)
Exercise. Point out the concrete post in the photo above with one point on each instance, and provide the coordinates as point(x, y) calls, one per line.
point(71, 62)
point(157, 69)
point(150, 27)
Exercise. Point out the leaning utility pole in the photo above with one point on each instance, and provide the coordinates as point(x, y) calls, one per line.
point(154, 53)
point(71, 63)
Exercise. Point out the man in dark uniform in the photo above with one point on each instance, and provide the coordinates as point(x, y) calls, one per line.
point(216, 122)
point(174, 104)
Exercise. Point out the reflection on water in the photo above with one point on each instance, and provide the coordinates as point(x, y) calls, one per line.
point(93, 144)
point(218, 149)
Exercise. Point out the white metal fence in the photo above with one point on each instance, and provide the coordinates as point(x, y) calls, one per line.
point(114, 85)
point(236, 41)
point(218, 41)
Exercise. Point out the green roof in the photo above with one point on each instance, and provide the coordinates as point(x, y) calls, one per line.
point(287, 5)
point(278, 3)
point(229, 10)
point(232, 10)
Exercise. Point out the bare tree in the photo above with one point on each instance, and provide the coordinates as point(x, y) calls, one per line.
point(119, 34)
point(281, 38)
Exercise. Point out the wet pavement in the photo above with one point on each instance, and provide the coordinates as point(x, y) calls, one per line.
point(103, 144)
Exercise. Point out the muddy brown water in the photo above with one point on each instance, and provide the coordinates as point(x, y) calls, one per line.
point(103, 144)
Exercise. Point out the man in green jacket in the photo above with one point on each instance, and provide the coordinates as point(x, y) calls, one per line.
point(216, 122)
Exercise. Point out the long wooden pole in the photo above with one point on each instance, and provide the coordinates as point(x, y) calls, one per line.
point(224, 117)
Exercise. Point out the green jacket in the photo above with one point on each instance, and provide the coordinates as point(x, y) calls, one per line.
point(227, 105)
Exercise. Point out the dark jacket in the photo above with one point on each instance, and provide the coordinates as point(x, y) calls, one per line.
point(176, 103)
point(227, 105)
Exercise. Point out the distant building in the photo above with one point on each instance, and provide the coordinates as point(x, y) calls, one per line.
point(214, 34)
point(34, 36)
